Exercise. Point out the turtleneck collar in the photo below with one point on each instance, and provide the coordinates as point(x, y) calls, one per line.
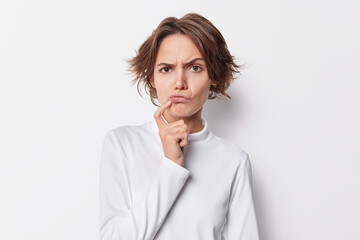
point(196, 137)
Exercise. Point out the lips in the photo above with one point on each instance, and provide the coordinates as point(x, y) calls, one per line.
point(179, 98)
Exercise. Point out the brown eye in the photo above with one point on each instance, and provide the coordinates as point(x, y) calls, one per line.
point(196, 68)
point(165, 70)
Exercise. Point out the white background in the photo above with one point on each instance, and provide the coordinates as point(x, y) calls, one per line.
point(294, 109)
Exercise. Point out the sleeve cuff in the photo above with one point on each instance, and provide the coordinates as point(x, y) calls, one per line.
point(175, 167)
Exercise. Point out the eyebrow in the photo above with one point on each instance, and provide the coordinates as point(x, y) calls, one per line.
point(186, 64)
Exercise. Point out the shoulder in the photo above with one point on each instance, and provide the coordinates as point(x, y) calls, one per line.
point(119, 141)
point(127, 133)
point(239, 155)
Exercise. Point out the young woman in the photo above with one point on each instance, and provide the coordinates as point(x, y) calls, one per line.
point(172, 178)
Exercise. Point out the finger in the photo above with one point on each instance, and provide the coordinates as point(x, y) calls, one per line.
point(159, 112)
point(183, 140)
point(179, 123)
point(174, 128)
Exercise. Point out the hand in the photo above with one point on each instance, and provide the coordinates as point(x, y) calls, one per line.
point(173, 135)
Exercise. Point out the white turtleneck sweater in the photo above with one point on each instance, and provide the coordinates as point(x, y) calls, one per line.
point(144, 195)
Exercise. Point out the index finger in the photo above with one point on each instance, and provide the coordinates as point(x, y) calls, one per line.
point(158, 114)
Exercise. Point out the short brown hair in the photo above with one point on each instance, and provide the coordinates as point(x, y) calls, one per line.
point(208, 39)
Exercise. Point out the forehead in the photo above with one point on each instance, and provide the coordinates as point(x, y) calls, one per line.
point(177, 47)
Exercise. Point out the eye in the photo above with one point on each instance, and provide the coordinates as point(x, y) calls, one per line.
point(196, 68)
point(165, 70)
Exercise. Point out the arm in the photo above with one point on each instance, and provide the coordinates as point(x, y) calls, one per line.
point(241, 221)
point(120, 218)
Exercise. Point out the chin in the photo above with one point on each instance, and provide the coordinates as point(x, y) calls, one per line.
point(178, 114)
point(181, 113)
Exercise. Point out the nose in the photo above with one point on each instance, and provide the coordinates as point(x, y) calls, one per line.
point(181, 81)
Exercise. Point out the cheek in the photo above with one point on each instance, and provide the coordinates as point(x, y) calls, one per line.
point(202, 93)
point(160, 93)
point(161, 90)
point(203, 88)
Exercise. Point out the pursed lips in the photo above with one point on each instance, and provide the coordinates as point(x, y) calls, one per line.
point(179, 98)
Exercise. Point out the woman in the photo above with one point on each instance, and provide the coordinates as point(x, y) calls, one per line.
point(172, 178)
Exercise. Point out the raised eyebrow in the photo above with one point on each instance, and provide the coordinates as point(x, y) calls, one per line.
point(186, 64)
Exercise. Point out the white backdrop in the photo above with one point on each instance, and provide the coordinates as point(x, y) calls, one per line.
point(294, 109)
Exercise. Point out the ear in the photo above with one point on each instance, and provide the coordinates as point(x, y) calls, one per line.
point(213, 83)
point(152, 81)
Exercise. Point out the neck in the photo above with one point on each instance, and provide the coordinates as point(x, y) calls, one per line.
point(193, 122)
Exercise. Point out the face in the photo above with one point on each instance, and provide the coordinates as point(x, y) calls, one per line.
point(180, 69)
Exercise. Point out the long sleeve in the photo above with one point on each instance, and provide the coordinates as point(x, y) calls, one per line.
point(241, 223)
point(120, 217)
